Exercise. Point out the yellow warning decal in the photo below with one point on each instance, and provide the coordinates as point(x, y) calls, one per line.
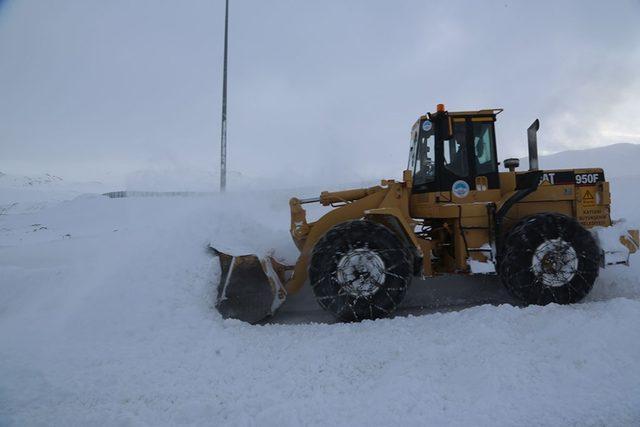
point(587, 198)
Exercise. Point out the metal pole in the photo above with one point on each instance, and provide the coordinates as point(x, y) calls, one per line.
point(223, 128)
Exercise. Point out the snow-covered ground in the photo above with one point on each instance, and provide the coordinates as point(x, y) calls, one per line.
point(106, 318)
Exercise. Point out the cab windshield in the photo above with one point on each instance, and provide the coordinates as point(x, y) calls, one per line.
point(422, 154)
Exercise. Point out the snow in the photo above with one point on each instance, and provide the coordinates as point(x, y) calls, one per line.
point(480, 267)
point(609, 241)
point(106, 318)
point(617, 160)
point(20, 193)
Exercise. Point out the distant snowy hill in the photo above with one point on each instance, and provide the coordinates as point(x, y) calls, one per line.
point(28, 193)
point(17, 181)
point(617, 160)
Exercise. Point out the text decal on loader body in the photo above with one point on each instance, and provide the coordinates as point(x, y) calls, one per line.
point(569, 178)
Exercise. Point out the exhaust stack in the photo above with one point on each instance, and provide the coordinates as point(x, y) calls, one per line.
point(533, 145)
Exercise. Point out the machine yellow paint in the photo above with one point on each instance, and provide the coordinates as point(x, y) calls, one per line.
point(392, 202)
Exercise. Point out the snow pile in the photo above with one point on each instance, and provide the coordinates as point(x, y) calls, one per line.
point(106, 318)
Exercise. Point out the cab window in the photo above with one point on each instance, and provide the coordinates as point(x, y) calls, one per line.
point(483, 146)
point(414, 148)
point(424, 154)
point(455, 152)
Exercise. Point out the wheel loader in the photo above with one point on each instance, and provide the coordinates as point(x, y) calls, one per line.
point(453, 212)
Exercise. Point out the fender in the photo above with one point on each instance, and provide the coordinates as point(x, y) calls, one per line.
point(385, 205)
point(317, 229)
point(394, 220)
point(401, 226)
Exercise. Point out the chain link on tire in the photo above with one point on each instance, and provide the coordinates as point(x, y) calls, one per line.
point(549, 258)
point(360, 270)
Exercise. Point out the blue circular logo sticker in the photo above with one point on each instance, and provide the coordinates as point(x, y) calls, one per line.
point(426, 125)
point(460, 189)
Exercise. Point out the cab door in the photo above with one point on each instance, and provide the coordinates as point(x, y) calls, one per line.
point(454, 155)
point(482, 142)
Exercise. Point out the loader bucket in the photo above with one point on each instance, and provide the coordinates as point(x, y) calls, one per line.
point(250, 288)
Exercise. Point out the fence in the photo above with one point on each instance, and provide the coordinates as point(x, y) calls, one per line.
point(122, 194)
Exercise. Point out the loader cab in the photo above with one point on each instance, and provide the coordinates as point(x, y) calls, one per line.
point(454, 151)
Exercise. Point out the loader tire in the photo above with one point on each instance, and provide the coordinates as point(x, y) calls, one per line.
point(360, 270)
point(549, 258)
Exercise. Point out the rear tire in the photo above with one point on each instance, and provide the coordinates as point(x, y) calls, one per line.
point(549, 258)
point(360, 270)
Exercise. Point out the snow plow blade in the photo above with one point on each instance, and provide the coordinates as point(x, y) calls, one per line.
point(250, 288)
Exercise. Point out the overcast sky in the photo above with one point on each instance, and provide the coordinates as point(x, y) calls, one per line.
point(317, 89)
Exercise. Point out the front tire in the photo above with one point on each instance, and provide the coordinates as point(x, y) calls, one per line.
point(360, 270)
point(549, 258)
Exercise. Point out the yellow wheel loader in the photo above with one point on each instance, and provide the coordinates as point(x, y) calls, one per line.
point(453, 213)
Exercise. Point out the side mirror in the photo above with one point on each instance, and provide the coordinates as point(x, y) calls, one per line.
point(511, 164)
